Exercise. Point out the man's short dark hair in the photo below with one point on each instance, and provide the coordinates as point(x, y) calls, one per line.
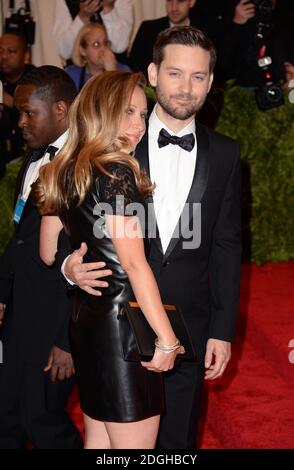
point(52, 84)
point(18, 35)
point(186, 36)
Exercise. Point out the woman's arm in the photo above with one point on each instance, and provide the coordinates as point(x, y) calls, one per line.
point(128, 242)
point(50, 229)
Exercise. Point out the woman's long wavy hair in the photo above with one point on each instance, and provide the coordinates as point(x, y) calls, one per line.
point(94, 142)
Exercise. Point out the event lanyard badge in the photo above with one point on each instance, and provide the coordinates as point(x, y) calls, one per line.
point(19, 207)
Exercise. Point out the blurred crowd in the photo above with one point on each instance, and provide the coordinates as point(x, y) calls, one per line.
point(94, 36)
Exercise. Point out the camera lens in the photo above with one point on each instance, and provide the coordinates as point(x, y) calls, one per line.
point(274, 93)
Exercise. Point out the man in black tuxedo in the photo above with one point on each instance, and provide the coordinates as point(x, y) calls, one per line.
point(34, 305)
point(195, 259)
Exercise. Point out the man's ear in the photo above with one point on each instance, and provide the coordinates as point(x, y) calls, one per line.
point(192, 3)
point(152, 74)
point(210, 82)
point(27, 56)
point(61, 109)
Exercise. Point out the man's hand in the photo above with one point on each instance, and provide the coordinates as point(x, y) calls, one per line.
point(108, 6)
point(60, 364)
point(243, 12)
point(2, 311)
point(289, 70)
point(85, 275)
point(88, 8)
point(218, 354)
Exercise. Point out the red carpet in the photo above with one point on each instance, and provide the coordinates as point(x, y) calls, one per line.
point(252, 406)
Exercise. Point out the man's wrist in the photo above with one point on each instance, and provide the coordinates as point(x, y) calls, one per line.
point(107, 8)
point(85, 18)
point(239, 20)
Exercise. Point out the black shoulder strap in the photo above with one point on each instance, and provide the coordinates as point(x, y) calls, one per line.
point(74, 8)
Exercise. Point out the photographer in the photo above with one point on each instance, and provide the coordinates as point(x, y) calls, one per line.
point(71, 15)
point(14, 56)
point(19, 19)
point(259, 28)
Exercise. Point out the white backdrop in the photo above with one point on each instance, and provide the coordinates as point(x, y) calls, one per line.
point(44, 51)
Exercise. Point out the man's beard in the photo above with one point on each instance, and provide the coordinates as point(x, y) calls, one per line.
point(180, 112)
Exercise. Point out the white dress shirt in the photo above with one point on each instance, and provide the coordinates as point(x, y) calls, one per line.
point(32, 173)
point(171, 169)
point(118, 23)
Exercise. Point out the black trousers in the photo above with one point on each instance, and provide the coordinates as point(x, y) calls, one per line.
point(32, 409)
point(178, 426)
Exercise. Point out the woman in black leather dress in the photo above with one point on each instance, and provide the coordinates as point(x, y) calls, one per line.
point(89, 185)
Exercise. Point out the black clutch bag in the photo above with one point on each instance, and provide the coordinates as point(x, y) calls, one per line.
point(137, 337)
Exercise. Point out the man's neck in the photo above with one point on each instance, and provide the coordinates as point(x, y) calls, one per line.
point(13, 76)
point(175, 125)
point(58, 134)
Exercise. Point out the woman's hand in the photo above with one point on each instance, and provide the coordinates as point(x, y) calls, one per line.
point(108, 59)
point(162, 361)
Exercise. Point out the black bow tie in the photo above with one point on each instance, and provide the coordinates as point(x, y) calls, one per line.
point(187, 141)
point(52, 151)
point(39, 153)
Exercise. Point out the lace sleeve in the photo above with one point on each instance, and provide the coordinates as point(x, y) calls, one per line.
point(120, 191)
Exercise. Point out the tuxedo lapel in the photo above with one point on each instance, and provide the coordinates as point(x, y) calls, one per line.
point(142, 154)
point(33, 155)
point(21, 176)
point(197, 189)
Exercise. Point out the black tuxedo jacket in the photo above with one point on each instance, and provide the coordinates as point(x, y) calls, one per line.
point(204, 281)
point(36, 296)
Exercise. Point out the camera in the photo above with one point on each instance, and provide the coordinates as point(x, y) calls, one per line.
point(21, 22)
point(269, 95)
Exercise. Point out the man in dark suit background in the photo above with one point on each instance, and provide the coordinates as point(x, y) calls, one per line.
point(14, 56)
point(190, 164)
point(178, 12)
point(34, 305)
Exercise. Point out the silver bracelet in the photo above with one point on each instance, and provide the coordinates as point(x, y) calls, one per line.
point(167, 348)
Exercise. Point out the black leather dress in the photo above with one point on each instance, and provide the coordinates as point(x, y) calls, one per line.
point(111, 389)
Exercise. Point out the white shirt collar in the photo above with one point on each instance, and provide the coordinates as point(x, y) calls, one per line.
point(186, 23)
